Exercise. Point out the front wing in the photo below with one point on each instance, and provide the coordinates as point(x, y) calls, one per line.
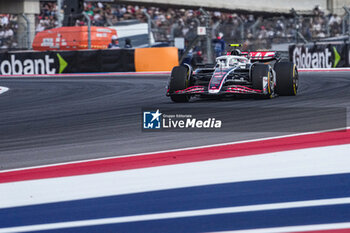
point(232, 89)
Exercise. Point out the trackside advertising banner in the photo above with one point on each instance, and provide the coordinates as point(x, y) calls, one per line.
point(28, 63)
point(57, 62)
point(320, 55)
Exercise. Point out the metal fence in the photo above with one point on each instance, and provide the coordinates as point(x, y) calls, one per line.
point(257, 34)
point(253, 32)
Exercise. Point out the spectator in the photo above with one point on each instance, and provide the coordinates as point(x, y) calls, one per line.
point(114, 43)
point(4, 20)
point(98, 18)
point(2, 35)
point(40, 27)
point(8, 33)
point(127, 43)
point(88, 10)
point(219, 45)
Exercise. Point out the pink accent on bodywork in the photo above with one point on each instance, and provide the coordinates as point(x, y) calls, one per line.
point(242, 90)
point(193, 89)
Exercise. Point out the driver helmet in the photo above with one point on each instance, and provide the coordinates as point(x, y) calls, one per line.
point(236, 52)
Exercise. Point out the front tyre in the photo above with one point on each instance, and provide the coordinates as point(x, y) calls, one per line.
point(179, 80)
point(287, 78)
point(180, 98)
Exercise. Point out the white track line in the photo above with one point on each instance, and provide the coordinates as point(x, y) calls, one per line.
point(180, 214)
point(3, 90)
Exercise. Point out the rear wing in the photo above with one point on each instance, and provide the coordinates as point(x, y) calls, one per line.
point(263, 56)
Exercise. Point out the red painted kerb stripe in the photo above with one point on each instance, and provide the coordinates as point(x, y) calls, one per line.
point(182, 156)
point(328, 231)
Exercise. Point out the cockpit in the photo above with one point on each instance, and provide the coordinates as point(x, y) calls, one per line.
point(231, 61)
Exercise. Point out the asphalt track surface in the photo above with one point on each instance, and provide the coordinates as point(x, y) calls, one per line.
point(53, 120)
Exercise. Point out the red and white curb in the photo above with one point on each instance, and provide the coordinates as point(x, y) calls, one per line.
point(287, 156)
point(300, 155)
point(31, 190)
point(180, 156)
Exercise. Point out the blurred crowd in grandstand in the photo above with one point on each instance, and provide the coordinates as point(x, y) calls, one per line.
point(168, 23)
point(8, 27)
point(48, 16)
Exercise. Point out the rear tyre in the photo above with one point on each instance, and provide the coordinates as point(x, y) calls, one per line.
point(287, 78)
point(179, 80)
point(258, 72)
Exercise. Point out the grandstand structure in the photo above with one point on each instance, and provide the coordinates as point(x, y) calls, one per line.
point(25, 11)
point(270, 6)
point(268, 21)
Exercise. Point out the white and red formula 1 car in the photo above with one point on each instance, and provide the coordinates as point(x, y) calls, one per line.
point(262, 74)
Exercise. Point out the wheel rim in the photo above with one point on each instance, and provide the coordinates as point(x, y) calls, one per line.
point(295, 80)
point(270, 85)
point(187, 78)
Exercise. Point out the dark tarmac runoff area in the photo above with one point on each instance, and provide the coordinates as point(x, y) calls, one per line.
point(56, 120)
